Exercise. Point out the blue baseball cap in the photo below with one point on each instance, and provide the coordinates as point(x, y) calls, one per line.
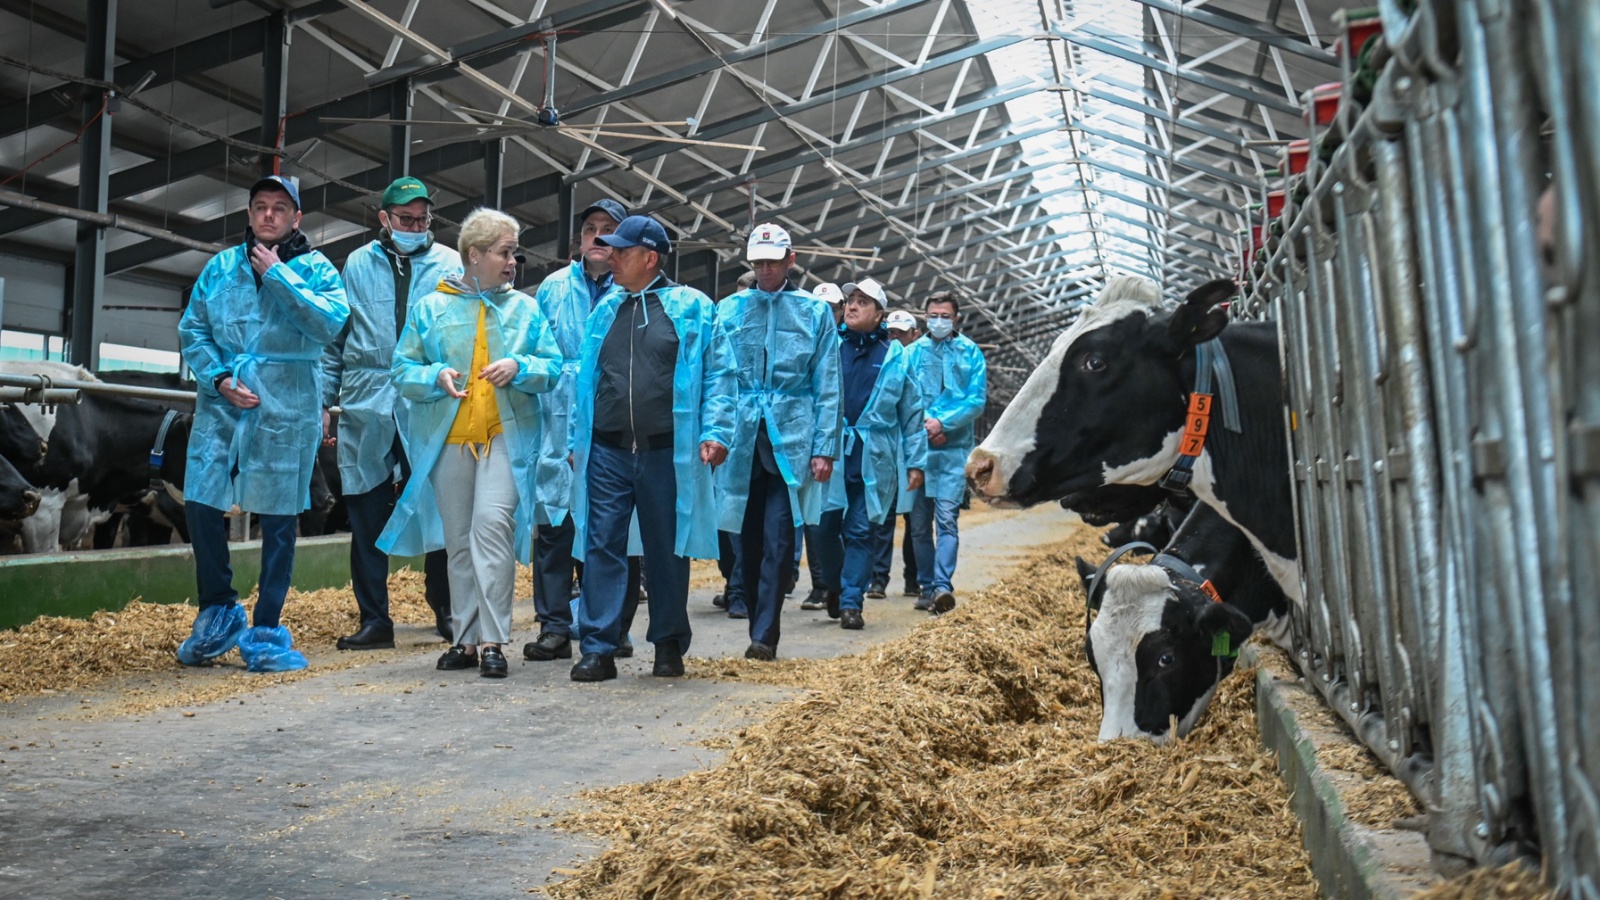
point(638, 231)
point(277, 183)
point(610, 207)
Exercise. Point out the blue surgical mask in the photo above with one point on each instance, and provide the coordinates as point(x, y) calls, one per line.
point(940, 329)
point(409, 242)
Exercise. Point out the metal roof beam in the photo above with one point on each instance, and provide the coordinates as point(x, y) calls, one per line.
point(1144, 57)
point(1186, 165)
point(1244, 26)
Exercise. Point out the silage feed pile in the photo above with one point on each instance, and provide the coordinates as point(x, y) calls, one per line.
point(959, 761)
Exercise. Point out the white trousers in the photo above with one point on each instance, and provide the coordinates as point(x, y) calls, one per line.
point(477, 504)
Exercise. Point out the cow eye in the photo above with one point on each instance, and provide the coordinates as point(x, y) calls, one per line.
point(1165, 660)
point(1094, 362)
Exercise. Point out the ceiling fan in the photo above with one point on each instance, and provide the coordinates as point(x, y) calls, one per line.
point(486, 125)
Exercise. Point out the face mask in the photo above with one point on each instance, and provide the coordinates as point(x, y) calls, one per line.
point(940, 328)
point(410, 241)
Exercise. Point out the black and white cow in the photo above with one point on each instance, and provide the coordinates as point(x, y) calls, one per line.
point(18, 499)
point(19, 442)
point(1152, 641)
point(1108, 406)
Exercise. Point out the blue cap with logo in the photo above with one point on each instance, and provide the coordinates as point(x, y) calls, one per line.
point(610, 207)
point(638, 231)
point(277, 183)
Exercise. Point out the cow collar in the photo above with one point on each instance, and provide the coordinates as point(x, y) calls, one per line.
point(1097, 588)
point(1174, 566)
point(1210, 360)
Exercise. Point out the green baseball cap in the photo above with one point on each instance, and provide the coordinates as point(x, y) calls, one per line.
point(403, 191)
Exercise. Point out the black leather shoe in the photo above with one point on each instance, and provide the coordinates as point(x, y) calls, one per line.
point(943, 602)
point(851, 619)
point(817, 599)
point(760, 651)
point(720, 601)
point(549, 646)
point(492, 663)
point(457, 658)
point(369, 637)
point(624, 649)
point(594, 667)
point(924, 601)
point(830, 598)
point(740, 613)
point(877, 590)
point(911, 590)
point(669, 661)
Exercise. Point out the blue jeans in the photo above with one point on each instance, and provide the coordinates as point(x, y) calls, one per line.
point(936, 565)
point(859, 549)
point(766, 552)
point(883, 548)
point(369, 566)
point(825, 549)
point(213, 570)
point(620, 482)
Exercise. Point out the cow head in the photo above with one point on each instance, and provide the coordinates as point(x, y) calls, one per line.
point(1106, 405)
point(1151, 646)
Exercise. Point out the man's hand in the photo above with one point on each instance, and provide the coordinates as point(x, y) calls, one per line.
point(262, 259)
point(328, 436)
point(237, 394)
point(447, 382)
point(938, 440)
point(713, 454)
point(913, 479)
point(821, 468)
point(500, 372)
point(933, 427)
point(572, 462)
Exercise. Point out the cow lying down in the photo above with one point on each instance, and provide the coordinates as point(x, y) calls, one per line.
point(1167, 633)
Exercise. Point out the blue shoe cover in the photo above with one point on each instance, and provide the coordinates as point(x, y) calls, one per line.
point(216, 630)
point(270, 650)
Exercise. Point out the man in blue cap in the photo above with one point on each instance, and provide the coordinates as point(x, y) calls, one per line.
point(650, 415)
point(566, 297)
point(381, 281)
point(257, 321)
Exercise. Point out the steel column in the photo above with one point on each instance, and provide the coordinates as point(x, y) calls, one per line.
point(89, 257)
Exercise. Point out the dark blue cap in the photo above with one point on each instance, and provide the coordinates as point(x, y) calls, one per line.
point(276, 183)
point(610, 207)
point(638, 231)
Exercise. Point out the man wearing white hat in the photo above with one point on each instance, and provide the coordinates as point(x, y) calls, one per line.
point(785, 425)
point(904, 328)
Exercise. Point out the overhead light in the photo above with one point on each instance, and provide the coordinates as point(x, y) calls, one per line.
point(671, 13)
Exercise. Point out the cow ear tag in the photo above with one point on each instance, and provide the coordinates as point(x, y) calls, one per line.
point(1222, 645)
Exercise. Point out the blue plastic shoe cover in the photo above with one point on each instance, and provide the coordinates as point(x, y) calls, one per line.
point(270, 650)
point(216, 630)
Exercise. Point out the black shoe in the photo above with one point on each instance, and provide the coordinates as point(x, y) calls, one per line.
point(831, 598)
point(369, 637)
point(877, 590)
point(760, 651)
point(457, 658)
point(548, 646)
point(720, 601)
point(492, 663)
point(624, 649)
point(817, 599)
point(851, 619)
point(669, 661)
point(943, 602)
point(594, 667)
point(924, 601)
point(912, 590)
point(740, 613)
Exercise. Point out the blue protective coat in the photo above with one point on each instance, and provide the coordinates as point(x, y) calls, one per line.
point(954, 378)
point(271, 339)
point(441, 330)
point(893, 440)
point(700, 410)
point(355, 366)
point(786, 353)
point(565, 298)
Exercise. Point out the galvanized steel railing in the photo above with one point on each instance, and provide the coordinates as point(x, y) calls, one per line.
point(1445, 421)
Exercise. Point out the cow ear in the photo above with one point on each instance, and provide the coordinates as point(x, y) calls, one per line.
point(1197, 319)
point(1085, 572)
point(1217, 619)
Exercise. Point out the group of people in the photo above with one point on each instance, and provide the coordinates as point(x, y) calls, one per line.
point(612, 419)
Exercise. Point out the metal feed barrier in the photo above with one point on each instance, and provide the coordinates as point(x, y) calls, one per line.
point(1444, 418)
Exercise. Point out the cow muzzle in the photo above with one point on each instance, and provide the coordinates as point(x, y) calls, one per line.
point(983, 476)
point(30, 503)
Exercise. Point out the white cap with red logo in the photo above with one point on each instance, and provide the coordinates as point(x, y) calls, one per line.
point(767, 242)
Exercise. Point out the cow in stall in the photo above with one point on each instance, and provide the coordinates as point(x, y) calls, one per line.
point(154, 512)
point(18, 499)
point(1110, 405)
point(18, 441)
point(1167, 632)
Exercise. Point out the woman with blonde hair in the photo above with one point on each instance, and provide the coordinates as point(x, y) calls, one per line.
point(472, 357)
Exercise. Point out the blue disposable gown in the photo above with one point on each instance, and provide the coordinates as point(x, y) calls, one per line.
point(356, 365)
point(440, 333)
point(699, 395)
point(893, 441)
point(786, 353)
point(565, 298)
point(271, 339)
point(954, 379)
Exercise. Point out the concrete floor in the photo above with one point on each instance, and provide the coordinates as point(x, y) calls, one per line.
point(391, 779)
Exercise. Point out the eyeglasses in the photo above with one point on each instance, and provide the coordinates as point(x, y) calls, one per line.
point(405, 221)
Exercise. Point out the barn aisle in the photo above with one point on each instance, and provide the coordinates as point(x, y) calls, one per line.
point(388, 778)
